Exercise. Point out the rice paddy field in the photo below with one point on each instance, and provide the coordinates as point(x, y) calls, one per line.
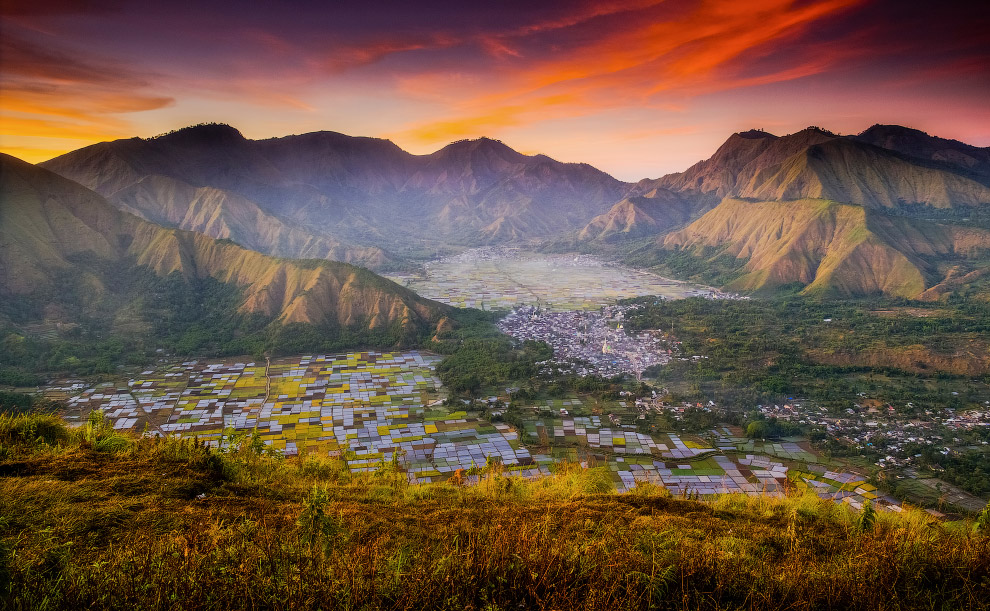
point(503, 279)
point(363, 406)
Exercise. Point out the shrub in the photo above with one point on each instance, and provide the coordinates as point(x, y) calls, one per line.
point(982, 524)
point(867, 518)
point(33, 429)
point(99, 431)
point(318, 529)
point(323, 468)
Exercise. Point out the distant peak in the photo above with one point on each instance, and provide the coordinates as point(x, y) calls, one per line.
point(881, 128)
point(482, 144)
point(201, 133)
point(818, 130)
point(754, 134)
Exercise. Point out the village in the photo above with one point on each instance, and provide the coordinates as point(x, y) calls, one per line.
point(884, 429)
point(588, 342)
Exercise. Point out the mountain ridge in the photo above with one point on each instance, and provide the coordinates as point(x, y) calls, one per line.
point(817, 163)
point(918, 176)
point(344, 187)
point(335, 196)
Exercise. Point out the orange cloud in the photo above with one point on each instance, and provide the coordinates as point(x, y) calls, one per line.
point(686, 54)
point(53, 100)
point(498, 117)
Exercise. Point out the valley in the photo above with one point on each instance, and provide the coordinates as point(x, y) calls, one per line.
point(374, 410)
point(544, 329)
point(501, 278)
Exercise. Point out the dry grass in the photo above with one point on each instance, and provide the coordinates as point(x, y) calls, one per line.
point(173, 525)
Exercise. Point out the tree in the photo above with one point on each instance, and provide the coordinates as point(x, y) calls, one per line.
point(758, 429)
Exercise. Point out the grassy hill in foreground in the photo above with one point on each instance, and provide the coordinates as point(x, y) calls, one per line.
point(90, 519)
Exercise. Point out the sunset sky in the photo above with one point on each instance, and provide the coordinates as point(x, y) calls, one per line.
point(636, 88)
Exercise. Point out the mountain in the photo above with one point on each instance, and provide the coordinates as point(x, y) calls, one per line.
point(885, 167)
point(66, 248)
point(640, 215)
point(830, 248)
point(843, 215)
point(328, 195)
point(326, 192)
point(851, 169)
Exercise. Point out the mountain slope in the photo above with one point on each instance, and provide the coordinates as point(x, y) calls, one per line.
point(57, 236)
point(836, 214)
point(361, 190)
point(221, 214)
point(638, 216)
point(818, 164)
point(828, 247)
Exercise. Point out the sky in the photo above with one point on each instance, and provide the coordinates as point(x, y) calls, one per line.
point(637, 88)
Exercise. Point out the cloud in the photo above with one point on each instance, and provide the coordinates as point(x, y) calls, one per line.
point(500, 43)
point(19, 57)
point(348, 57)
point(497, 118)
point(51, 95)
point(78, 101)
point(686, 53)
point(47, 8)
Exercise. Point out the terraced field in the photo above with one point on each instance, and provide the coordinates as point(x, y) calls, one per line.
point(372, 407)
point(364, 406)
